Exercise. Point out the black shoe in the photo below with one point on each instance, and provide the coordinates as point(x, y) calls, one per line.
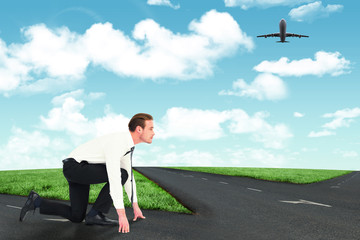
point(100, 219)
point(29, 205)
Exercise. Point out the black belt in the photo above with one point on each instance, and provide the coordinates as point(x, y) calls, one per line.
point(68, 160)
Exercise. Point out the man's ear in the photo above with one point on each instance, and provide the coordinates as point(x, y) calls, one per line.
point(138, 129)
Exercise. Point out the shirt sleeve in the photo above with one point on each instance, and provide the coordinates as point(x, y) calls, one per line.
point(127, 187)
point(113, 153)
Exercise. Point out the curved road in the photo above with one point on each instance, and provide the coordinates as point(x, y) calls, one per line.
point(225, 208)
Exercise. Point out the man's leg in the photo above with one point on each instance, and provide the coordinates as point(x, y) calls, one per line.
point(86, 173)
point(104, 200)
point(79, 196)
point(79, 176)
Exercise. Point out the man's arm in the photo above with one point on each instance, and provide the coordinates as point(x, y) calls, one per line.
point(112, 153)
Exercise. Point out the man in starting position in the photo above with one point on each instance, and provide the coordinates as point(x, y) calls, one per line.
point(107, 159)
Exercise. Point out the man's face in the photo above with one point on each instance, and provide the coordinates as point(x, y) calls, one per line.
point(147, 133)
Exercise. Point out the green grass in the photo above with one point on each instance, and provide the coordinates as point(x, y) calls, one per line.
point(51, 184)
point(299, 176)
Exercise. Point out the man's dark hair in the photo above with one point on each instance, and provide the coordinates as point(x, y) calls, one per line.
point(139, 120)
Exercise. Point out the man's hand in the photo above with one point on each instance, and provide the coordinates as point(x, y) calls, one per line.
point(137, 212)
point(123, 221)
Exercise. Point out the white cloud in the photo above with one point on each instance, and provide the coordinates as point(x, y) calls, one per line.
point(342, 118)
point(324, 63)
point(196, 124)
point(66, 116)
point(32, 150)
point(163, 3)
point(264, 87)
point(298, 115)
point(111, 122)
point(193, 124)
point(313, 11)
point(58, 58)
point(12, 70)
point(77, 94)
point(47, 85)
point(246, 4)
point(222, 32)
point(323, 133)
point(57, 53)
point(273, 136)
point(49, 60)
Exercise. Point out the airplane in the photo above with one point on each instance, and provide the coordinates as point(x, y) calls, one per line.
point(282, 34)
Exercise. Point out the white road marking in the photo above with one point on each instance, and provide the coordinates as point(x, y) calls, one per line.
point(301, 201)
point(344, 181)
point(13, 207)
point(56, 219)
point(204, 179)
point(223, 182)
point(253, 189)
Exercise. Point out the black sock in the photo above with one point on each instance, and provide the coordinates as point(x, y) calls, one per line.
point(93, 212)
point(37, 202)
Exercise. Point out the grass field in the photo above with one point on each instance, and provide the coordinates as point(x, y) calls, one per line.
point(51, 184)
point(299, 176)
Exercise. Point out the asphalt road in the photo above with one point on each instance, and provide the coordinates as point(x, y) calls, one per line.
point(225, 208)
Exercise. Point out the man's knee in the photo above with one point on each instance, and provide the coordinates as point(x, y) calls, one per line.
point(77, 217)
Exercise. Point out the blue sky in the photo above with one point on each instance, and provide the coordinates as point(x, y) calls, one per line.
point(74, 70)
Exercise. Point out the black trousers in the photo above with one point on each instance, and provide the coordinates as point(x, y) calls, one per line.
point(79, 177)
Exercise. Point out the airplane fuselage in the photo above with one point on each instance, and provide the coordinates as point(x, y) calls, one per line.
point(282, 34)
point(282, 30)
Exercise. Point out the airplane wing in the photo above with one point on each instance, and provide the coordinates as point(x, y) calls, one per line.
point(295, 35)
point(270, 35)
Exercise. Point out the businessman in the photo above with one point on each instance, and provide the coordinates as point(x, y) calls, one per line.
point(107, 159)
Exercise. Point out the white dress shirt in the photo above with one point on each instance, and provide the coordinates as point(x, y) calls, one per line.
point(110, 150)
